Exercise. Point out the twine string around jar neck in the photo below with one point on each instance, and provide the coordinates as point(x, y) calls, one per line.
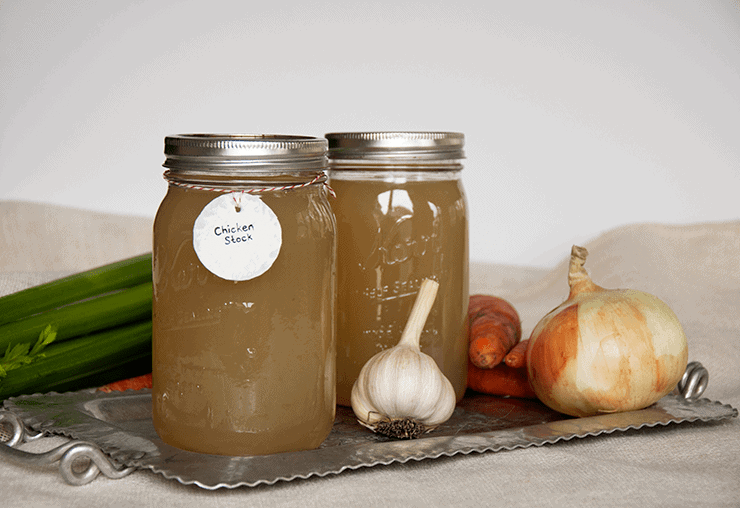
point(320, 178)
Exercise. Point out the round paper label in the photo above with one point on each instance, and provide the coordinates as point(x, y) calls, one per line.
point(237, 237)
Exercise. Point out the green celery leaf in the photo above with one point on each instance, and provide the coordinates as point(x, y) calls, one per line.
point(19, 355)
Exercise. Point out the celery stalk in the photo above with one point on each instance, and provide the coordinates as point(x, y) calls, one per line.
point(82, 318)
point(111, 277)
point(84, 362)
point(136, 366)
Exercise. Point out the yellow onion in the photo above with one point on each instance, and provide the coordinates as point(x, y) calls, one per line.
point(605, 350)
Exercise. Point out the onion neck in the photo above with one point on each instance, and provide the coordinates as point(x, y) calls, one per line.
point(578, 279)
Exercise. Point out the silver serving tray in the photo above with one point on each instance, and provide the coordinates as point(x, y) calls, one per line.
point(120, 425)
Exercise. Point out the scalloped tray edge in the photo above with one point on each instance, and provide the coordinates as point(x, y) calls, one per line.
point(386, 453)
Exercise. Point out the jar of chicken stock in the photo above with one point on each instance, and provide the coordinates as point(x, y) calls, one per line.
point(401, 217)
point(244, 295)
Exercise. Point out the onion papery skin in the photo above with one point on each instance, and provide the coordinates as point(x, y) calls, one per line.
point(605, 351)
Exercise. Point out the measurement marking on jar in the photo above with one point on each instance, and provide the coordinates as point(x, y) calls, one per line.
point(389, 292)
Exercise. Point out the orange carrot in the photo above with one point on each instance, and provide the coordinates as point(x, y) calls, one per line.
point(487, 304)
point(134, 383)
point(517, 357)
point(494, 329)
point(501, 380)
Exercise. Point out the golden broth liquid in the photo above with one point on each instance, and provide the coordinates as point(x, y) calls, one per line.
point(390, 237)
point(245, 368)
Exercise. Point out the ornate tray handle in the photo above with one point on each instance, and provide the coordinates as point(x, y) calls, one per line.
point(694, 381)
point(70, 455)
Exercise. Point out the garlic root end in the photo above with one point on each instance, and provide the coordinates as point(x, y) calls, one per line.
point(400, 428)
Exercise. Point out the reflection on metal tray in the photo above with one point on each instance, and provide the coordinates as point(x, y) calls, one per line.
point(120, 425)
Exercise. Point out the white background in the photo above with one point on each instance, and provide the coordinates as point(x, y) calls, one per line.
point(579, 116)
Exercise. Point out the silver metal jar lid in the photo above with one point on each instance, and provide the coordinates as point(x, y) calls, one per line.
point(233, 151)
point(396, 146)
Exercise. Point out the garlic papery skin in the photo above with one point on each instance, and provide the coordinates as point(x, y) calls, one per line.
point(401, 392)
point(605, 350)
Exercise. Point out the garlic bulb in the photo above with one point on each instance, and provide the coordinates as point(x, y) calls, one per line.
point(401, 392)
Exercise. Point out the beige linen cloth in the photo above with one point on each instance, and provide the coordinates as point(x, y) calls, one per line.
point(693, 268)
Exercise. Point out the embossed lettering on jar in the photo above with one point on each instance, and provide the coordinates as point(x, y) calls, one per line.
point(401, 218)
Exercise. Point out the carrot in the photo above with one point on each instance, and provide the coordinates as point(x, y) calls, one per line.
point(517, 357)
point(134, 383)
point(479, 305)
point(494, 329)
point(501, 380)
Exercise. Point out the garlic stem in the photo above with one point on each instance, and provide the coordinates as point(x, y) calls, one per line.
point(419, 313)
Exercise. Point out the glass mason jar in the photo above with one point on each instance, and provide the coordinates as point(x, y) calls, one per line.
point(401, 217)
point(244, 296)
